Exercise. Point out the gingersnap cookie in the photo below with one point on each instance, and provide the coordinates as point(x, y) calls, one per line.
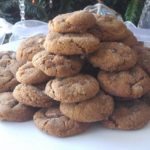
point(133, 83)
point(113, 56)
point(8, 61)
point(76, 22)
point(32, 96)
point(29, 47)
point(56, 65)
point(95, 109)
point(130, 39)
point(12, 110)
point(128, 116)
point(7, 81)
point(53, 122)
point(8, 68)
point(72, 89)
point(28, 74)
point(108, 28)
point(71, 44)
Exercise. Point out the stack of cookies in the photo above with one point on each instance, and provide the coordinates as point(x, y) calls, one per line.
point(10, 108)
point(86, 71)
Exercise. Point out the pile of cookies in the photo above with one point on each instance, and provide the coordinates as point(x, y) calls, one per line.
point(87, 69)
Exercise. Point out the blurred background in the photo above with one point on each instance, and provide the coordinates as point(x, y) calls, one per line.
point(45, 10)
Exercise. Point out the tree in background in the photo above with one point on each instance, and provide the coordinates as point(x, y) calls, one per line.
point(43, 10)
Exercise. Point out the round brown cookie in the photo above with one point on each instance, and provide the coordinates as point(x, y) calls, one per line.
point(130, 39)
point(56, 65)
point(32, 96)
point(144, 58)
point(133, 83)
point(129, 116)
point(53, 122)
point(12, 110)
point(108, 28)
point(7, 81)
point(94, 109)
point(8, 68)
point(28, 74)
point(72, 89)
point(113, 56)
point(8, 61)
point(71, 44)
point(78, 21)
point(29, 47)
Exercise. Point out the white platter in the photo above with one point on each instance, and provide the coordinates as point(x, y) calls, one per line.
point(24, 136)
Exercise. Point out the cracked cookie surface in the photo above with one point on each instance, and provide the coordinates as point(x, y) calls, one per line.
point(113, 56)
point(29, 47)
point(72, 89)
point(128, 116)
point(108, 28)
point(12, 110)
point(8, 68)
point(76, 22)
point(94, 109)
point(71, 44)
point(56, 65)
point(32, 96)
point(28, 74)
point(53, 122)
point(133, 83)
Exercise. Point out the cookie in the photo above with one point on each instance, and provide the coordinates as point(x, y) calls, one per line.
point(29, 47)
point(7, 81)
point(8, 61)
point(28, 74)
point(8, 68)
point(56, 65)
point(108, 28)
point(71, 44)
point(130, 39)
point(76, 22)
point(32, 96)
point(53, 122)
point(133, 83)
point(144, 58)
point(113, 56)
point(92, 110)
point(72, 89)
point(12, 110)
point(128, 116)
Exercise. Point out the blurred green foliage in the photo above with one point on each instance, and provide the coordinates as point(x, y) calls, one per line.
point(42, 10)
